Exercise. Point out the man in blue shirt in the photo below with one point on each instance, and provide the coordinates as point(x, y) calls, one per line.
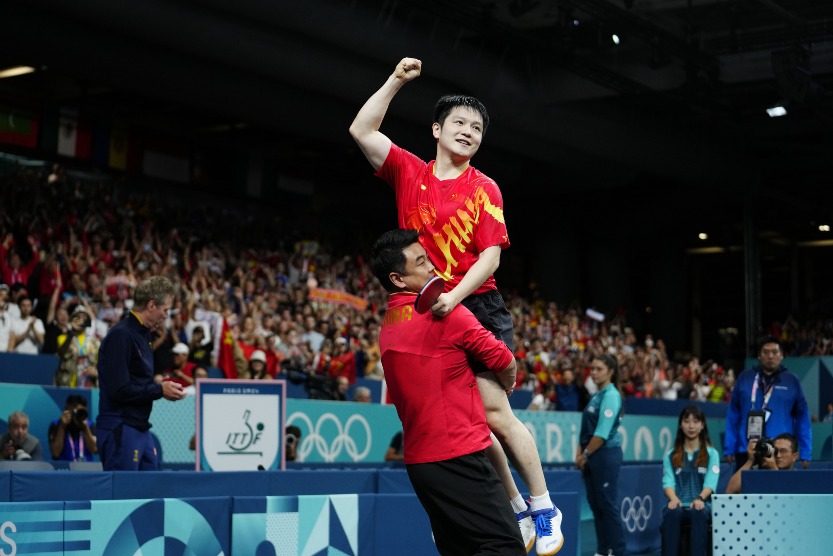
point(127, 388)
point(771, 388)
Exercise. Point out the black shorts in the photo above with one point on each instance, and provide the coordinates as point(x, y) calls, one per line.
point(491, 311)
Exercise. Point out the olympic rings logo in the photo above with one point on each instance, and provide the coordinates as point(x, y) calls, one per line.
point(636, 512)
point(329, 446)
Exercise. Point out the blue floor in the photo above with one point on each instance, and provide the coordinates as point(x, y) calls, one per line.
point(588, 541)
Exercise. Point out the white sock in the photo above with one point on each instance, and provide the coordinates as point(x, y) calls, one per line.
point(518, 504)
point(542, 502)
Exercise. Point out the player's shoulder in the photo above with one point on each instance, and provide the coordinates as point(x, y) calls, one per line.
point(482, 179)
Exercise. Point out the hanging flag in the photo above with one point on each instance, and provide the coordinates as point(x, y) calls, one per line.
point(74, 135)
point(118, 146)
point(225, 357)
point(18, 126)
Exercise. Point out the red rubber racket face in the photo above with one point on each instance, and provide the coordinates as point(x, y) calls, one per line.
point(428, 295)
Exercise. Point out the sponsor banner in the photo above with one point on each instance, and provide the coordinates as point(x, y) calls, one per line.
point(240, 424)
point(337, 297)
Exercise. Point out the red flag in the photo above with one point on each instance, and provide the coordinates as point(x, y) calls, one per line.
point(225, 358)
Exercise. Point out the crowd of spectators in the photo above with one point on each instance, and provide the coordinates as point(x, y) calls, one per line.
point(75, 248)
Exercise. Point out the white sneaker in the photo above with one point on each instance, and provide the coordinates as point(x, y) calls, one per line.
point(527, 526)
point(548, 531)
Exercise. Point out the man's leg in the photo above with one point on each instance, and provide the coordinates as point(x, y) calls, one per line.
point(120, 449)
point(497, 457)
point(520, 447)
point(148, 458)
point(464, 501)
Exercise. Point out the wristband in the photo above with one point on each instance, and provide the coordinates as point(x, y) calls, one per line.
point(701, 499)
point(586, 453)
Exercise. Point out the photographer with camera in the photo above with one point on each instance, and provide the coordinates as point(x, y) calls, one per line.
point(767, 394)
point(17, 443)
point(292, 435)
point(72, 436)
point(765, 453)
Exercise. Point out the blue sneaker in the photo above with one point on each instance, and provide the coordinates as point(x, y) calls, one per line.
point(548, 531)
point(527, 526)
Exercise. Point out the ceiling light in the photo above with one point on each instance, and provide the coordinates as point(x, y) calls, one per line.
point(615, 39)
point(15, 71)
point(824, 228)
point(776, 111)
point(704, 236)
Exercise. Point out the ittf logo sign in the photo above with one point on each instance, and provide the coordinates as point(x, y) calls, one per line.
point(240, 432)
point(242, 442)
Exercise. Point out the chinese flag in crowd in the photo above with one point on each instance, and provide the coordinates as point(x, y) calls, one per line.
point(225, 357)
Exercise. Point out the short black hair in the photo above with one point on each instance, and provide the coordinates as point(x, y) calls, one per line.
point(448, 103)
point(791, 437)
point(75, 399)
point(387, 255)
point(770, 340)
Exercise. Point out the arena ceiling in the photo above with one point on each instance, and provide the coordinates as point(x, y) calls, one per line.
point(671, 119)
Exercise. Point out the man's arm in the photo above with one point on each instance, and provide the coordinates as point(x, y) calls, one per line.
point(365, 127)
point(508, 376)
point(56, 435)
point(804, 430)
point(734, 483)
point(114, 362)
point(487, 263)
point(38, 330)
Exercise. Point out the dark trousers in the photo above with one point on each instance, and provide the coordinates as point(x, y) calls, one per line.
point(126, 449)
point(601, 481)
point(467, 506)
point(672, 524)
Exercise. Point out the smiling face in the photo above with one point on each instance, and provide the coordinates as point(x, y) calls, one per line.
point(459, 136)
point(418, 269)
point(691, 427)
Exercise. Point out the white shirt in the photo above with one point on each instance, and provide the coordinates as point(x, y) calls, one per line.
point(5, 330)
point(28, 344)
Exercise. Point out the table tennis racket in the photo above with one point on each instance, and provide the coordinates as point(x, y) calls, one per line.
point(428, 295)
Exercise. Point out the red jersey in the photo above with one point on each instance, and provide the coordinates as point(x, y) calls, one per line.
point(188, 370)
point(430, 381)
point(456, 219)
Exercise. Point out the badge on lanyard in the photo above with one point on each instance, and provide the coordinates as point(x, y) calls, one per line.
point(755, 424)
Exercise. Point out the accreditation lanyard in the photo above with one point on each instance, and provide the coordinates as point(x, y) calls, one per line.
point(80, 454)
point(82, 346)
point(767, 391)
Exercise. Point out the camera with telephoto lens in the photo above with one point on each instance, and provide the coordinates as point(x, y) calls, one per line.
point(763, 449)
point(80, 415)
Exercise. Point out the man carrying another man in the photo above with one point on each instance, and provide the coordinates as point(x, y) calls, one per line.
point(430, 380)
